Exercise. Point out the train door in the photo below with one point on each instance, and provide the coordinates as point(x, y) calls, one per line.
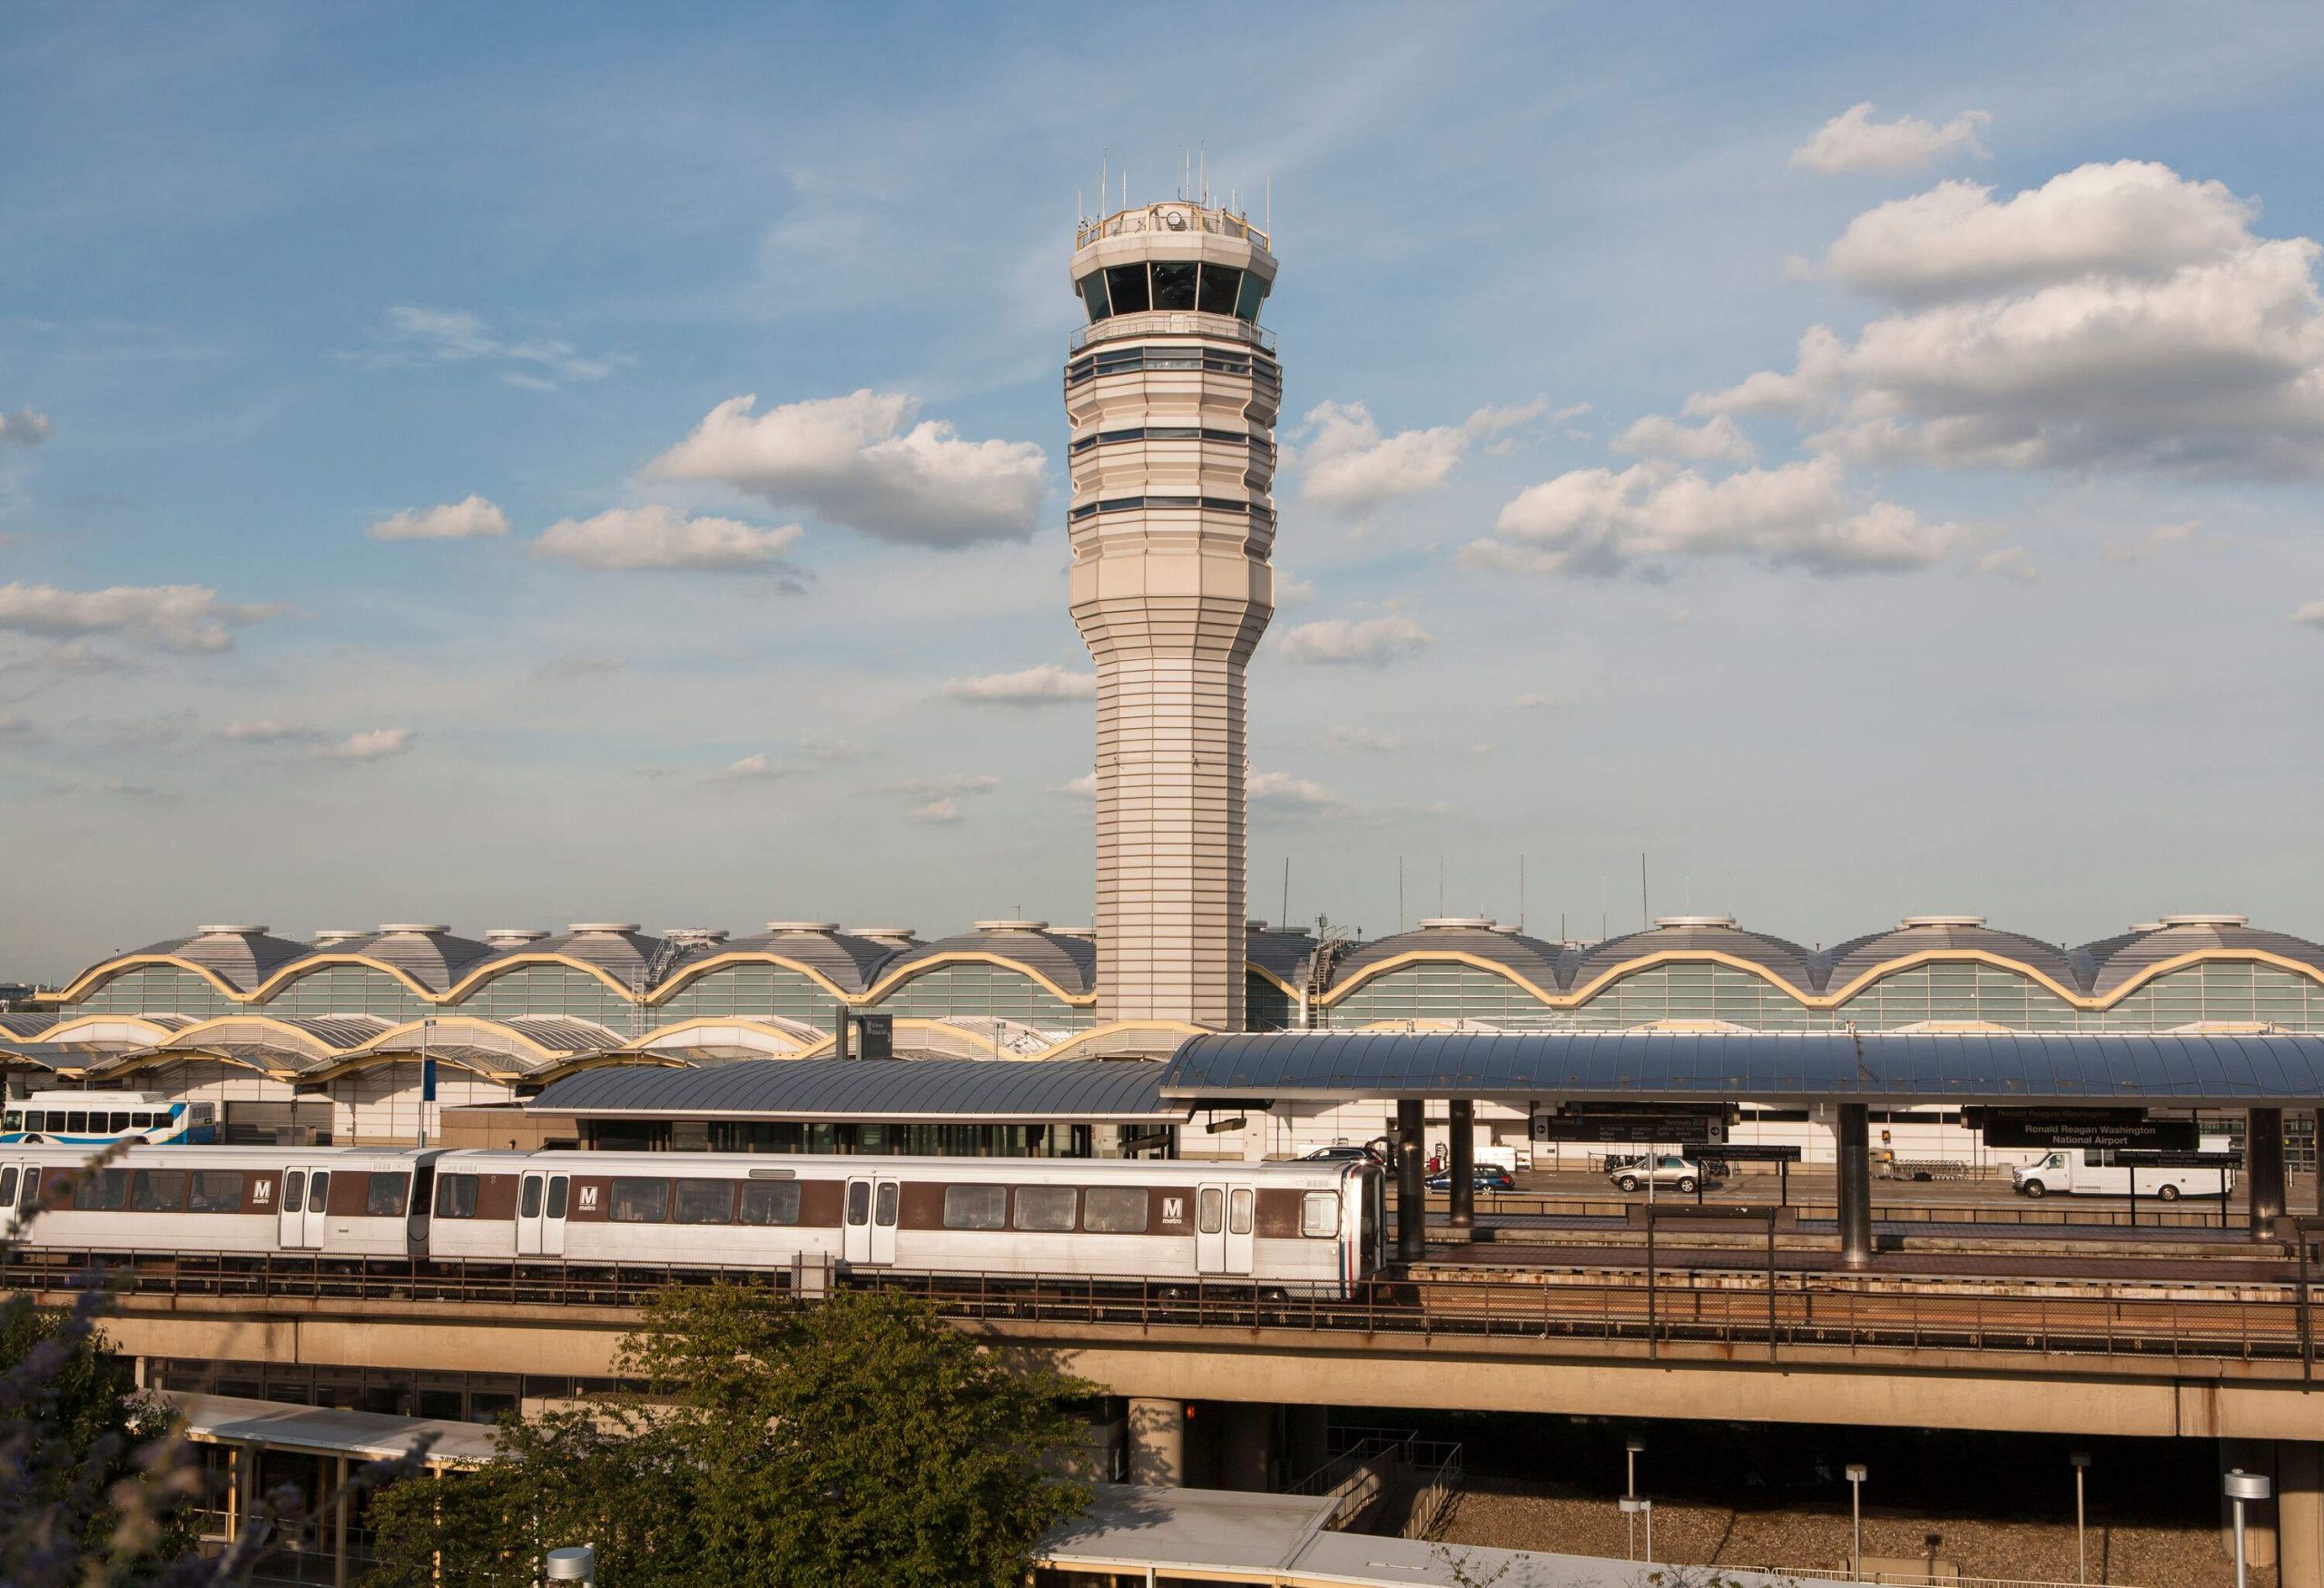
point(306, 1193)
point(1223, 1227)
point(872, 1203)
point(541, 1201)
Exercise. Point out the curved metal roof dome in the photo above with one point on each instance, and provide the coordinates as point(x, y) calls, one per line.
point(430, 955)
point(1847, 962)
point(2116, 960)
point(848, 960)
point(241, 956)
point(615, 947)
point(1701, 934)
point(1543, 964)
point(1069, 962)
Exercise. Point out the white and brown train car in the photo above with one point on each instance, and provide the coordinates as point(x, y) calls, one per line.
point(343, 1201)
point(1304, 1227)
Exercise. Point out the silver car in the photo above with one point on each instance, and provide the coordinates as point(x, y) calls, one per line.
point(1669, 1169)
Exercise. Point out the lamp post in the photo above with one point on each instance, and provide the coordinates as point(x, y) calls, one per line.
point(576, 1563)
point(1855, 1475)
point(1632, 1448)
point(2080, 1461)
point(2241, 1486)
point(427, 1076)
point(1633, 1507)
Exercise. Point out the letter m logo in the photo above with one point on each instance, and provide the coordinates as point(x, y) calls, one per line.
point(589, 1197)
point(1173, 1209)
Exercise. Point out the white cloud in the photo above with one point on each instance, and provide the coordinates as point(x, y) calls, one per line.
point(2311, 615)
point(1372, 642)
point(1853, 140)
point(1285, 792)
point(1084, 786)
point(169, 618)
point(1344, 461)
point(376, 745)
point(663, 538)
point(1345, 738)
point(756, 767)
point(1042, 685)
point(1291, 592)
point(1531, 700)
point(2118, 315)
point(451, 336)
point(1596, 523)
point(25, 427)
point(2125, 552)
point(1717, 441)
point(267, 731)
point(468, 520)
point(2009, 562)
point(852, 461)
point(943, 810)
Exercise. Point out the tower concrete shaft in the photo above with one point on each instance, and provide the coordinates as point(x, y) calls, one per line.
point(1172, 390)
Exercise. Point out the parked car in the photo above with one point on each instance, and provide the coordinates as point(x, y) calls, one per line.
point(1669, 1169)
point(1340, 1153)
point(1484, 1176)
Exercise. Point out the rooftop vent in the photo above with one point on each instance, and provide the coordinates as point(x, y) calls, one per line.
point(887, 934)
point(1662, 920)
point(1090, 932)
point(821, 928)
point(1456, 923)
point(1507, 928)
point(508, 935)
point(410, 926)
point(2143, 926)
point(2167, 921)
point(1912, 921)
point(339, 935)
point(1012, 926)
point(602, 926)
point(231, 930)
point(1255, 926)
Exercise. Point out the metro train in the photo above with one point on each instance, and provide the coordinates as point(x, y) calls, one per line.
point(1308, 1227)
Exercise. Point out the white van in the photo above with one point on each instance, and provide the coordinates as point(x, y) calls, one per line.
point(2093, 1172)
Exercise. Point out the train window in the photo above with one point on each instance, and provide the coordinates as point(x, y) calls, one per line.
point(558, 1187)
point(529, 1205)
point(858, 1201)
point(1114, 1210)
point(1238, 1211)
point(883, 1211)
point(319, 1191)
point(1210, 1210)
point(8, 1187)
point(706, 1202)
point(103, 1190)
point(456, 1197)
point(294, 1190)
point(386, 1197)
point(1046, 1207)
point(770, 1202)
point(640, 1201)
point(976, 1206)
point(215, 1190)
point(423, 1190)
point(1319, 1215)
point(158, 1190)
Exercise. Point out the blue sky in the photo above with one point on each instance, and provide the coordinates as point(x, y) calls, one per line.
point(1991, 602)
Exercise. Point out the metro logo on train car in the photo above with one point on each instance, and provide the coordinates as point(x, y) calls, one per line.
point(588, 1198)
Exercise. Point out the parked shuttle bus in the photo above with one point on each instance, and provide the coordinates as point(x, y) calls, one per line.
point(2093, 1172)
point(97, 1119)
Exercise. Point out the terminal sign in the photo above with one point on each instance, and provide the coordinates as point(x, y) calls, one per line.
point(1635, 1127)
point(878, 1033)
point(2082, 1127)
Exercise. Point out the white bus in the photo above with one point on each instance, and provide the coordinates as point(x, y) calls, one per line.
point(97, 1119)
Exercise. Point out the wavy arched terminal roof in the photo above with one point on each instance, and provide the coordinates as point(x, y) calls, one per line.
point(1068, 962)
point(428, 954)
point(240, 956)
point(2117, 963)
point(1283, 956)
point(1459, 939)
point(1697, 937)
point(1947, 937)
point(846, 960)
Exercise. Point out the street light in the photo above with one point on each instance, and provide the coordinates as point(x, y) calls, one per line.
point(1855, 1475)
point(1633, 1507)
point(2080, 1461)
point(2241, 1486)
point(1632, 1448)
point(576, 1563)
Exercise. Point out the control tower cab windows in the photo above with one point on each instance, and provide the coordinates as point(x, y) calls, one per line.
point(1127, 285)
point(1172, 286)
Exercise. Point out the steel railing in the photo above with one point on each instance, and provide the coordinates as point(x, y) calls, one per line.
point(1795, 1311)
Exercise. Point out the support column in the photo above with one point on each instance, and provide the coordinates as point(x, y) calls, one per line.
point(1463, 1161)
point(2299, 1513)
point(1412, 1188)
point(1158, 1442)
point(2263, 1169)
point(1855, 1184)
point(1306, 1437)
point(1247, 1438)
point(339, 1524)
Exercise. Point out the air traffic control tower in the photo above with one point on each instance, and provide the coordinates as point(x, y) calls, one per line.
point(1172, 390)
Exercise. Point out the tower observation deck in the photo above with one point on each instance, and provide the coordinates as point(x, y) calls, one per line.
point(1172, 390)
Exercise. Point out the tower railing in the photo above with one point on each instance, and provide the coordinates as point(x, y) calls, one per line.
point(1173, 322)
point(1169, 215)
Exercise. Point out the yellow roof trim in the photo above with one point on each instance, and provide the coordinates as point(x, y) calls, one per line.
point(897, 978)
point(745, 957)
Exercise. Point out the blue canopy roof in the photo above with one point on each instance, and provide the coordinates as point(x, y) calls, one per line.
point(2174, 1068)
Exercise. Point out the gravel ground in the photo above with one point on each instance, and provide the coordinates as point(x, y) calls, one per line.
point(1510, 1513)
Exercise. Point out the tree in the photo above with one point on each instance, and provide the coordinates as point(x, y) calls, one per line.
point(858, 1439)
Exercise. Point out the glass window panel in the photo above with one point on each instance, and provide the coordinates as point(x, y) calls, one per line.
point(318, 1193)
point(859, 1202)
point(1248, 296)
point(706, 1202)
point(529, 1203)
point(118, 1123)
point(8, 1187)
point(1219, 285)
point(1210, 1210)
point(158, 1190)
point(1045, 1207)
point(215, 1190)
point(1114, 1210)
point(1093, 296)
point(386, 1196)
point(1238, 1215)
point(103, 1190)
point(640, 1201)
point(884, 1214)
point(765, 1202)
point(1174, 284)
point(557, 1189)
point(456, 1197)
point(1125, 285)
point(976, 1206)
point(1319, 1215)
point(76, 1122)
point(294, 1190)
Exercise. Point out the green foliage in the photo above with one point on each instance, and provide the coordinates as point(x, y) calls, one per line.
point(859, 1439)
